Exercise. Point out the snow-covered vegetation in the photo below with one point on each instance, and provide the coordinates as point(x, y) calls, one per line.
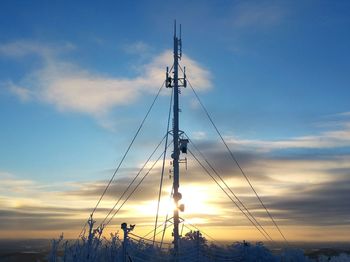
point(194, 247)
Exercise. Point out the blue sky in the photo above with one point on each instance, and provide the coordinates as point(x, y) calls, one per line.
point(77, 77)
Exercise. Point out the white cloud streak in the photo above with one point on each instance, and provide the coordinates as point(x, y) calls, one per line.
point(18, 49)
point(259, 14)
point(68, 87)
point(326, 139)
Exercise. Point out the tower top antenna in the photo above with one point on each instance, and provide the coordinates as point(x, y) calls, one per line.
point(180, 31)
point(177, 41)
point(175, 30)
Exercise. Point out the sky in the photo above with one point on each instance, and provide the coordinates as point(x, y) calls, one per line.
point(77, 78)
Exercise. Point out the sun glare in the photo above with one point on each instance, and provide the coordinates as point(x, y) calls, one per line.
point(195, 198)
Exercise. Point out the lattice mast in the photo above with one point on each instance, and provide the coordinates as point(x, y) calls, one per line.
point(180, 145)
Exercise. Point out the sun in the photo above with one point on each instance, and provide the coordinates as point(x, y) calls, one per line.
point(196, 198)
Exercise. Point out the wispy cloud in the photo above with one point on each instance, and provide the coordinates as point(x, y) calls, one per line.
point(22, 48)
point(339, 137)
point(69, 87)
point(137, 48)
point(257, 14)
point(24, 94)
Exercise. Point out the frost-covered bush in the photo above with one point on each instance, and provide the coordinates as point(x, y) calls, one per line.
point(96, 249)
point(192, 247)
point(294, 255)
point(257, 252)
point(341, 258)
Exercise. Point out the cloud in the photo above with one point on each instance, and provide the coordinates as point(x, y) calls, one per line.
point(24, 94)
point(300, 190)
point(69, 87)
point(137, 48)
point(297, 191)
point(21, 48)
point(32, 205)
point(328, 139)
point(344, 114)
point(323, 204)
point(257, 14)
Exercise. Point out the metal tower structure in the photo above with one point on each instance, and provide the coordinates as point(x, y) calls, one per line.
point(179, 145)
